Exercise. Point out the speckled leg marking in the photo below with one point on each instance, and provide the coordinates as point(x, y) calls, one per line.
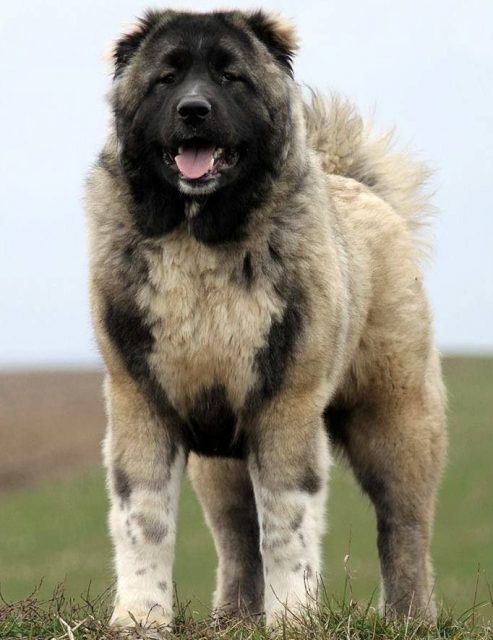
point(143, 530)
point(225, 491)
point(144, 479)
point(291, 517)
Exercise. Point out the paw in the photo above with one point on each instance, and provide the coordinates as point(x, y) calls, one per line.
point(292, 615)
point(426, 612)
point(229, 613)
point(131, 616)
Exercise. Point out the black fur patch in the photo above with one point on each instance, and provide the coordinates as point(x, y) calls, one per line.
point(370, 181)
point(375, 487)
point(132, 337)
point(395, 530)
point(273, 358)
point(310, 482)
point(121, 484)
point(296, 521)
point(274, 253)
point(157, 208)
point(211, 426)
point(248, 269)
point(154, 531)
point(337, 420)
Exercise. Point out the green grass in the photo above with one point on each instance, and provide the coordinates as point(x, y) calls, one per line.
point(59, 618)
point(57, 533)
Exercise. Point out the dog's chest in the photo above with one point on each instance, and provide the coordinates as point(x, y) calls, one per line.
point(208, 321)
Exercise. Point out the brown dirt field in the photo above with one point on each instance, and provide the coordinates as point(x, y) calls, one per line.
point(51, 425)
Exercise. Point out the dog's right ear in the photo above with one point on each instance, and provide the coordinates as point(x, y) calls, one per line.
point(132, 37)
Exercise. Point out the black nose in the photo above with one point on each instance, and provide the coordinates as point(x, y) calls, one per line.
point(193, 108)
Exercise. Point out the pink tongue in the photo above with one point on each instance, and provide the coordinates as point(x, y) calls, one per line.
point(195, 162)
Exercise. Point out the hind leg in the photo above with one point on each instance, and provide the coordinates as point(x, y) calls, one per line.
point(396, 451)
point(225, 491)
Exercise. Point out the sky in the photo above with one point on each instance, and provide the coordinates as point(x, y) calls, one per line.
point(425, 67)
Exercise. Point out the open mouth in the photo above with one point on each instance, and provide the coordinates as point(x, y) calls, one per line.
point(198, 161)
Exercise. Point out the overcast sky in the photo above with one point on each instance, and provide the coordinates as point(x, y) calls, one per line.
point(426, 67)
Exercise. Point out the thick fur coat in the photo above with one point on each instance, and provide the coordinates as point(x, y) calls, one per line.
point(257, 319)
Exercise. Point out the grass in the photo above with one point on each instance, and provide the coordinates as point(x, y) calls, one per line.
point(57, 533)
point(60, 618)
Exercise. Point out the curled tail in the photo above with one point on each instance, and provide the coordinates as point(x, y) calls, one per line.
point(348, 147)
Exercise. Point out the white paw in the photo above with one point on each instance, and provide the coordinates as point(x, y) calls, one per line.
point(295, 611)
point(136, 615)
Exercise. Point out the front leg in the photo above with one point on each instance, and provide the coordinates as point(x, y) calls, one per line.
point(145, 469)
point(289, 468)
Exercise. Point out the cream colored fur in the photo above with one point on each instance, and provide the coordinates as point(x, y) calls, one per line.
point(348, 146)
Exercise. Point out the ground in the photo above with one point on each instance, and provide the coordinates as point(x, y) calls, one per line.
point(51, 425)
point(53, 505)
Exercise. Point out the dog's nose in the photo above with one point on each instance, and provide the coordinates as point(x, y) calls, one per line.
point(193, 108)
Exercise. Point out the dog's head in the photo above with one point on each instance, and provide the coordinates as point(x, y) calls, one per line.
point(202, 101)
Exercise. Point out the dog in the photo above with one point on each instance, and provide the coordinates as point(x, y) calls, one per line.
point(258, 300)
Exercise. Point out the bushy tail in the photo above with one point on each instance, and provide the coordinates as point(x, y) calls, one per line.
point(348, 147)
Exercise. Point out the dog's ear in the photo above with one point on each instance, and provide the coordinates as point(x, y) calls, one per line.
point(278, 35)
point(124, 48)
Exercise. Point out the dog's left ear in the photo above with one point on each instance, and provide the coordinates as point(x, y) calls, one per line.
point(278, 35)
point(130, 40)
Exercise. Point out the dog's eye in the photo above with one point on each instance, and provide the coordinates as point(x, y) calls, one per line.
point(167, 78)
point(228, 77)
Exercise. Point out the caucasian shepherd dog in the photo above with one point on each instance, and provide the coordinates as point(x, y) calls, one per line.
point(258, 301)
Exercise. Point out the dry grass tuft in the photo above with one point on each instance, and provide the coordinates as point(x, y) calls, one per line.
point(60, 618)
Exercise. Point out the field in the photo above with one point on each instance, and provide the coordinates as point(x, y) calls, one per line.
point(53, 505)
